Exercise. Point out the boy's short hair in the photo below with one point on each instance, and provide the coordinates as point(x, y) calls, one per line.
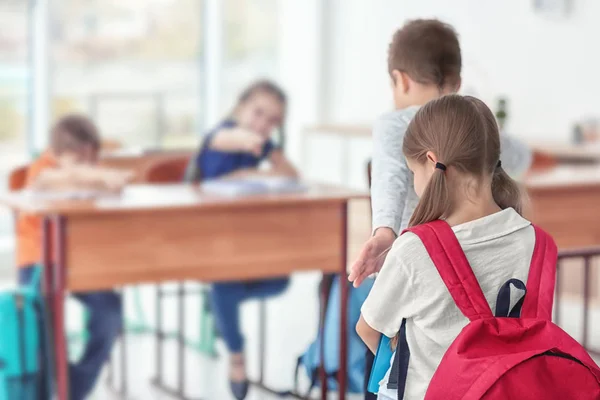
point(428, 51)
point(72, 133)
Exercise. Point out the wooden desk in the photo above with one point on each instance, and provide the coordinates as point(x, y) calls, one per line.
point(566, 153)
point(175, 232)
point(565, 201)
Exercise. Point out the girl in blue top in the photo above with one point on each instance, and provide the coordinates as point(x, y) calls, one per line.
point(238, 145)
point(235, 148)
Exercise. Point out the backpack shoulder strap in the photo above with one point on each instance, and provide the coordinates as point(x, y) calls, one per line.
point(452, 264)
point(542, 278)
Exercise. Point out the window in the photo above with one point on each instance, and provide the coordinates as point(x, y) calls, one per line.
point(14, 82)
point(133, 66)
point(15, 72)
point(250, 45)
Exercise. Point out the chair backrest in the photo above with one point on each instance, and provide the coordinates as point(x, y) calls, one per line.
point(542, 161)
point(169, 170)
point(17, 178)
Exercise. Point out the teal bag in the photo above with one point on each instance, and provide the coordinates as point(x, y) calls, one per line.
point(24, 371)
point(381, 364)
point(311, 359)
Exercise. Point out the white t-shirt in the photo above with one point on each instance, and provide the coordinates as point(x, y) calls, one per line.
point(498, 247)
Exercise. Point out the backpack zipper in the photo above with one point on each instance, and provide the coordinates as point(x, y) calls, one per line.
point(551, 353)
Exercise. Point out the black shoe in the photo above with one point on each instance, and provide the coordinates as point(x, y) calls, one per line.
point(239, 389)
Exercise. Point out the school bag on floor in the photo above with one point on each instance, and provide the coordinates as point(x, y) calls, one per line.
point(516, 354)
point(24, 364)
point(311, 359)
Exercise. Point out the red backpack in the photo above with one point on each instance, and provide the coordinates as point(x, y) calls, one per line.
point(498, 357)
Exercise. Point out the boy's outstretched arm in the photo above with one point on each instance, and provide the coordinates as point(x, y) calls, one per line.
point(390, 180)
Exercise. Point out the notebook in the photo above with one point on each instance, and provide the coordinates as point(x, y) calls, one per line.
point(381, 364)
point(61, 195)
point(252, 186)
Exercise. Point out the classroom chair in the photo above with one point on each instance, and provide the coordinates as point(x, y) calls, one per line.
point(542, 161)
point(170, 170)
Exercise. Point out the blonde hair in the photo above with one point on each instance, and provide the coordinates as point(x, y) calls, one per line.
point(462, 132)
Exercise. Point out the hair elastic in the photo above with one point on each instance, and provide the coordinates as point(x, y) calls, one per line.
point(441, 166)
point(499, 165)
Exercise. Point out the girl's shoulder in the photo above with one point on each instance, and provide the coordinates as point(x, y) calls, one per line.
point(408, 250)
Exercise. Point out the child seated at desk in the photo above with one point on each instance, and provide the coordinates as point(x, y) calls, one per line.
point(241, 142)
point(69, 164)
point(234, 149)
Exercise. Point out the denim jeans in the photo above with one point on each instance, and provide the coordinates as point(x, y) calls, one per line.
point(103, 326)
point(226, 298)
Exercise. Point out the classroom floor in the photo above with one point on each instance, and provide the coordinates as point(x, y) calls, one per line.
point(291, 326)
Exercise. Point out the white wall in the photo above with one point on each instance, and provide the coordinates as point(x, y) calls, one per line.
point(549, 69)
point(300, 38)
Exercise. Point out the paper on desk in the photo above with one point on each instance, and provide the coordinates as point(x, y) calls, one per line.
point(61, 195)
point(253, 185)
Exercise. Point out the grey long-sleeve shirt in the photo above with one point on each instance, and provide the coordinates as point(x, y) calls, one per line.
point(393, 196)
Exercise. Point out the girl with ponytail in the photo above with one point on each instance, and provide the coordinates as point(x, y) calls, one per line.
point(452, 146)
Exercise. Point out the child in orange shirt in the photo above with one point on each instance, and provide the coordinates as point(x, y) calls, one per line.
point(69, 163)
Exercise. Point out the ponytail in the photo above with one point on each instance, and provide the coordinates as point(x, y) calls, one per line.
point(506, 191)
point(435, 202)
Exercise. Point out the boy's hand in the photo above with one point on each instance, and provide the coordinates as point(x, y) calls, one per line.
point(372, 255)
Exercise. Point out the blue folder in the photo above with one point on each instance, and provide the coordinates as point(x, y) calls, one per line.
point(381, 364)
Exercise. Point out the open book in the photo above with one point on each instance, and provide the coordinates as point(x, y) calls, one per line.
point(252, 185)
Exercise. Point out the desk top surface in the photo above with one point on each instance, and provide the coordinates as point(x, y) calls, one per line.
point(565, 177)
point(589, 152)
point(165, 198)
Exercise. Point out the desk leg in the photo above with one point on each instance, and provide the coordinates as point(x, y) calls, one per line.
point(342, 374)
point(181, 341)
point(158, 379)
point(325, 290)
point(48, 292)
point(58, 309)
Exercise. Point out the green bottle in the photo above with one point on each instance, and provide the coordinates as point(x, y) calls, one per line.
point(501, 113)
